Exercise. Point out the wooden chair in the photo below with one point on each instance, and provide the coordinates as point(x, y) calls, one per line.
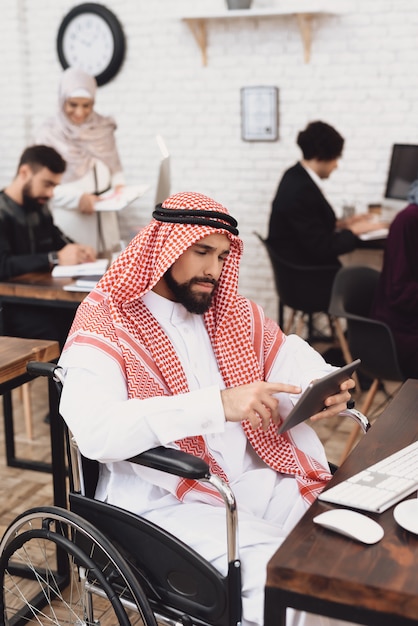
point(27, 410)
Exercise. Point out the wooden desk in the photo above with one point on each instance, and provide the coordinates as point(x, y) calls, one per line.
point(15, 354)
point(40, 288)
point(322, 572)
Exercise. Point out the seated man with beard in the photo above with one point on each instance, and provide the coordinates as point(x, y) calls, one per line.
point(165, 351)
point(30, 241)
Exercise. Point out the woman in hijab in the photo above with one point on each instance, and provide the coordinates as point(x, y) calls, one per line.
point(86, 141)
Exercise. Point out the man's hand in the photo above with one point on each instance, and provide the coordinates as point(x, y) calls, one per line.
point(74, 253)
point(87, 202)
point(337, 403)
point(254, 402)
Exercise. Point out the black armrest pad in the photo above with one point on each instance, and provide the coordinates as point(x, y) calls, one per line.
point(38, 368)
point(164, 459)
point(173, 462)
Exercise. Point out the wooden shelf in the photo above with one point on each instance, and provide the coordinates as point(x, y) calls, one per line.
point(198, 23)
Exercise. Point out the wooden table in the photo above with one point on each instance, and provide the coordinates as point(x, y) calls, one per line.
point(40, 288)
point(15, 354)
point(321, 572)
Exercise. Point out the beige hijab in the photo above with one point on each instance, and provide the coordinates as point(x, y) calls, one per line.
point(80, 145)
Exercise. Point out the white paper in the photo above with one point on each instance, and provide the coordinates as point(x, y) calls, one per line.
point(380, 233)
point(74, 287)
point(80, 282)
point(117, 200)
point(82, 269)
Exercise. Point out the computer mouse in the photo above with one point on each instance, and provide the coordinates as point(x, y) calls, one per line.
point(351, 524)
point(406, 514)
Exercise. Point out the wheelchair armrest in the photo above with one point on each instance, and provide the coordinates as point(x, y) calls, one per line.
point(173, 461)
point(47, 369)
point(41, 368)
point(167, 460)
point(164, 459)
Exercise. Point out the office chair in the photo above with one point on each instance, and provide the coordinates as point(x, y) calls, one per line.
point(98, 564)
point(367, 339)
point(304, 289)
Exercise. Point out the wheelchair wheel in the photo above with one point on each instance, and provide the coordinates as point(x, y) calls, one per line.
point(56, 568)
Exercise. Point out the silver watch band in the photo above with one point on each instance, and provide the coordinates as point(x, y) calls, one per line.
point(53, 258)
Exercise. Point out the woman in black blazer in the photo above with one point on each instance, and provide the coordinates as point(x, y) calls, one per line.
point(303, 226)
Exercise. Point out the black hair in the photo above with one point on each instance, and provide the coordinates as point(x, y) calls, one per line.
point(40, 156)
point(320, 141)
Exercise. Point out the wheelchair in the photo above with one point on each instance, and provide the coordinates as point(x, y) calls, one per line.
point(95, 564)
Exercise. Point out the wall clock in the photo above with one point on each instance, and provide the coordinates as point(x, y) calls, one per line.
point(91, 38)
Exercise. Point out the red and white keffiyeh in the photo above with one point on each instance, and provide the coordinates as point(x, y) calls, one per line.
point(114, 319)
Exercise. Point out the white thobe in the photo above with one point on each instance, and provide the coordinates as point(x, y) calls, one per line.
point(110, 427)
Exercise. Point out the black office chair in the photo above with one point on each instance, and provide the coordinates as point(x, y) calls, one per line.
point(304, 289)
point(98, 564)
point(367, 339)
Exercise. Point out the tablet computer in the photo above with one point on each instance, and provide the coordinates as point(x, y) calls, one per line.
point(312, 399)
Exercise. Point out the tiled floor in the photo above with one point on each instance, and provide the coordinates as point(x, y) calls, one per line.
point(22, 489)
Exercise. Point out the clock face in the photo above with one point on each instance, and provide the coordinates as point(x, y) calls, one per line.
point(88, 43)
point(91, 38)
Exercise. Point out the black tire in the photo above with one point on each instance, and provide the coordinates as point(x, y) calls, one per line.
point(57, 569)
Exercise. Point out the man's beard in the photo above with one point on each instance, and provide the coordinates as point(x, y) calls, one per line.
point(194, 302)
point(29, 200)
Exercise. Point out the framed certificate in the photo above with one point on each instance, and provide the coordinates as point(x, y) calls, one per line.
point(259, 113)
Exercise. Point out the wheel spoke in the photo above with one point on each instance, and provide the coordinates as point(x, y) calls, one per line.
point(35, 592)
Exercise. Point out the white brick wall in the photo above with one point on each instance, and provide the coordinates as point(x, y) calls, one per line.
point(361, 78)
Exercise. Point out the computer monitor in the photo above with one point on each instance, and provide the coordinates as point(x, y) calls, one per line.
point(162, 191)
point(403, 170)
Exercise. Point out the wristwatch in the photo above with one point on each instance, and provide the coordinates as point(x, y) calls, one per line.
point(53, 258)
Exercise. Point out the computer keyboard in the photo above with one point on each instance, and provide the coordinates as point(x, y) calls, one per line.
point(380, 485)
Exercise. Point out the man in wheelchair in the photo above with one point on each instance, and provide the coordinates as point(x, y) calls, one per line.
point(166, 352)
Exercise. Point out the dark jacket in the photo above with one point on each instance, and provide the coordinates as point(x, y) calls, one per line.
point(396, 300)
point(27, 235)
point(303, 224)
